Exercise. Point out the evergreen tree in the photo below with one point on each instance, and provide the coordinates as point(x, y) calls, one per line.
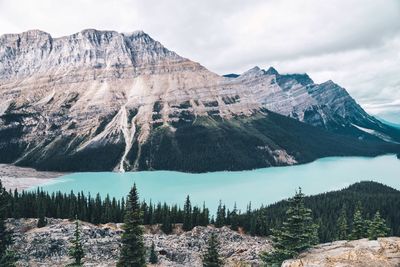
point(97, 210)
point(7, 257)
point(132, 251)
point(212, 221)
point(342, 225)
point(151, 213)
point(196, 216)
point(221, 215)
point(246, 221)
point(42, 221)
point(359, 224)
point(211, 257)
point(153, 258)
point(234, 219)
point(107, 211)
point(205, 216)
point(187, 216)
point(166, 226)
point(76, 251)
point(296, 234)
point(377, 227)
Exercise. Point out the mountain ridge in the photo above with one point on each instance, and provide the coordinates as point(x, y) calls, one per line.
point(110, 93)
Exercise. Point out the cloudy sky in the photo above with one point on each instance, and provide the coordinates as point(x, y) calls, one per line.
point(355, 43)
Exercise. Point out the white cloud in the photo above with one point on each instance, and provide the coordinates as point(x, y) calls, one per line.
point(355, 43)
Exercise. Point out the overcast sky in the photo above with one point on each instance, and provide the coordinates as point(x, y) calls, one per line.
point(355, 43)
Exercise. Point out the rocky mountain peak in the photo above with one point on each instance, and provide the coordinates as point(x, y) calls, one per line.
point(104, 90)
point(32, 34)
point(272, 71)
point(137, 33)
point(255, 71)
point(303, 78)
point(95, 36)
point(329, 83)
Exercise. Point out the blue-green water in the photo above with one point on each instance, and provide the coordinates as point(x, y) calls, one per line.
point(261, 186)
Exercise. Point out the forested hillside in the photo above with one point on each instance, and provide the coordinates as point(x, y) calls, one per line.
point(326, 209)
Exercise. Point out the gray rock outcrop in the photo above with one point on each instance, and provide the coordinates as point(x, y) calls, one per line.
point(48, 246)
point(384, 252)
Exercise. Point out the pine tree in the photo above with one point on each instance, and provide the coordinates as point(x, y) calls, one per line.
point(153, 258)
point(151, 213)
point(187, 216)
point(132, 251)
point(342, 225)
point(296, 234)
point(107, 212)
point(196, 216)
point(97, 210)
point(234, 219)
point(76, 251)
point(211, 257)
point(377, 227)
point(7, 257)
point(204, 218)
point(42, 221)
point(166, 226)
point(359, 224)
point(221, 215)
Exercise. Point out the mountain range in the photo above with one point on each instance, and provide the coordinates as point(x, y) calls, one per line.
point(103, 100)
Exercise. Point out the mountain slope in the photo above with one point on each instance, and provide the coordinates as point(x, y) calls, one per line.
point(102, 100)
point(326, 208)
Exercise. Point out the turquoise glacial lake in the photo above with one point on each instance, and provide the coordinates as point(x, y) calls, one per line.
point(260, 186)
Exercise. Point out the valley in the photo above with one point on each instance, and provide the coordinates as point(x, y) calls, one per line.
point(199, 133)
point(258, 186)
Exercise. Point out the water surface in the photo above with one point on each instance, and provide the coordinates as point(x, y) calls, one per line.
point(260, 186)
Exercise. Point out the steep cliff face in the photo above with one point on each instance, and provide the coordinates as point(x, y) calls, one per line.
point(95, 100)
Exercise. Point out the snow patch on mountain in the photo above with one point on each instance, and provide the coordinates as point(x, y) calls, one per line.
point(380, 135)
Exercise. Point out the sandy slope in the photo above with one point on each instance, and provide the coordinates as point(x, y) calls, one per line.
point(22, 178)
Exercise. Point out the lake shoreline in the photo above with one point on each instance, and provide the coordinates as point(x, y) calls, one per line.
point(21, 178)
point(260, 186)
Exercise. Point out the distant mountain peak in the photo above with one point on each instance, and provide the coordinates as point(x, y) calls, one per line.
point(35, 32)
point(136, 33)
point(272, 71)
point(329, 82)
point(253, 71)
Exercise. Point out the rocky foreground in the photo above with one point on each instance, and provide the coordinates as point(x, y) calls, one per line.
point(384, 252)
point(48, 246)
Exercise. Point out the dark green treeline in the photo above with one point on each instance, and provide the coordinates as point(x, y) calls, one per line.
point(326, 209)
point(331, 208)
point(35, 204)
